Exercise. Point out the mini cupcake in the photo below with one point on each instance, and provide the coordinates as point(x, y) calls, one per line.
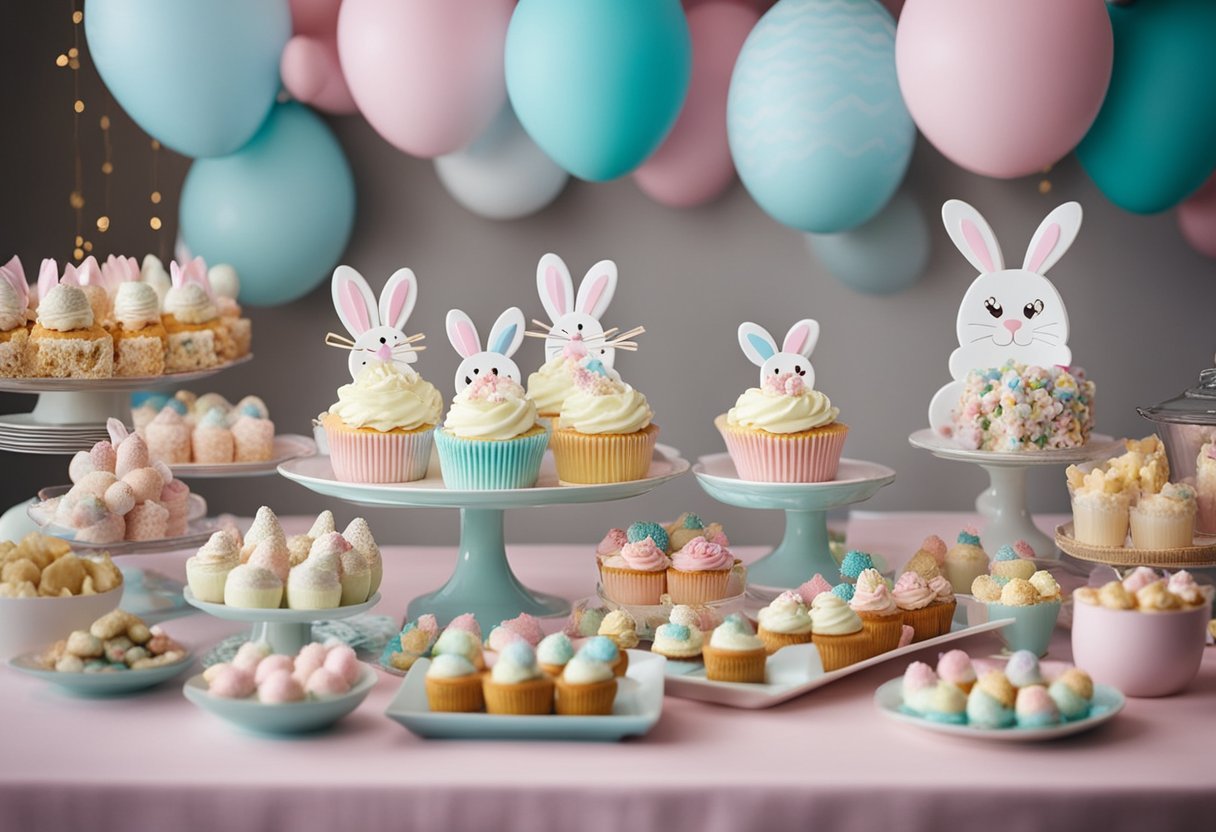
point(207, 571)
point(620, 627)
point(265, 525)
point(678, 641)
point(699, 572)
point(813, 588)
point(587, 686)
point(1007, 563)
point(553, 652)
point(881, 619)
point(491, 437)
point(853, 564)
point(929, 559)
point(734, 653)
point(1100, 505)
point(211, 441)
point(991, 701)
point(460, 642)
point(411, 644)
point(314, 585)
point(272, 555)
point(252, 438)
point(784, 622)
point(253, 587)
point(453, 685)
point(356, 577)
point(965, 561)
point(917, 688)
point(637, 574)
point(1073, 693)
point(955, 668)
point(837, 633)
point(359, 535)
point(605, 433)
point(169, 437)
point(1165, 520)
point(516, 684)
point(923, 610)
point(381, 428)
point(1034, 708)
point(611, 543)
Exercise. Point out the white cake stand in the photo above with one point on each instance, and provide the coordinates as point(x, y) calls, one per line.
point(1003, 503)
point(483, 582)
point(803, 550)
point(285, 630)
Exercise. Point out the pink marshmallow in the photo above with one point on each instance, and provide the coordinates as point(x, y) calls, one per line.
point(341, 659)
point(272, 664)
point(232, 683)
point(280, 687)
point(325, 682)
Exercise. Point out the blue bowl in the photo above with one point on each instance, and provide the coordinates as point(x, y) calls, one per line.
point(1031, 628)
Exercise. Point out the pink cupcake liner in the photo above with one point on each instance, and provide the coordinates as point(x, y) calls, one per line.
point(626, 586)
point(379, 457)
point(762, 457)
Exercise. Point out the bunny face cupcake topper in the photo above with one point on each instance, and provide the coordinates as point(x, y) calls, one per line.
point(505, 337)
point(377, 329)
point(794, 357)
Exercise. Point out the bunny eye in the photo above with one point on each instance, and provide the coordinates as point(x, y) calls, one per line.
point(468, 380)
point(476, 371)
point(580, 326)
point(383, 341)
point(1032, 309)
point(994, 308)
point(776, 371)
point(798, 369)
point(494, 370)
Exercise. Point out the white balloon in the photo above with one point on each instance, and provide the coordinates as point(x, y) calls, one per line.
point(502, 175)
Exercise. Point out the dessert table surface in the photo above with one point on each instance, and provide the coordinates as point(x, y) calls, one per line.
point(826, 760)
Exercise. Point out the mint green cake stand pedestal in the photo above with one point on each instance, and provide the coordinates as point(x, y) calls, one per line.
point(803, 550)
point(482, 582)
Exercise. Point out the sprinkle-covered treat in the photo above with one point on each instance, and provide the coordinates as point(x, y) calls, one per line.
point(1018, 407)
point(640, 531)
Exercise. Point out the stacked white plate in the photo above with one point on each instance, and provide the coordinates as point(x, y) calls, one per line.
point(21, 433)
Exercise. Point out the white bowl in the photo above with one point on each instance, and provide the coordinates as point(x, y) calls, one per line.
point(28, 624)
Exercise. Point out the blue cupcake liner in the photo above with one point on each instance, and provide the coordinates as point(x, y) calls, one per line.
point(487, 464)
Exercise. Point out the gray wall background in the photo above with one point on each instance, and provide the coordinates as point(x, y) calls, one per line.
point(1139, 298)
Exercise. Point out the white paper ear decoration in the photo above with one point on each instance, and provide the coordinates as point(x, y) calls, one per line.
point(378, 329)
point(505, 337)
point(576, 328)
point(794, 355)
point(1006, 314)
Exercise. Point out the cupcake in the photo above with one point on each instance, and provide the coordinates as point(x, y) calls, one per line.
point(991, 701)
point(881, 619)
point(272, 555)
point(516, 684)
point(605, 433)
point(954, 667)
point(265, 526)
point(700, 572)
point(918, 686)
point(837, 633)
point(253, 587)
point(1007, 563)
point(252, 438)
point(549, 386)
point(734, 653)
point(453, 685)
point(637, 574)
point(853, 564)
point(211, 441)
point(314, 584)
point(1072, 692)
point(587, 686)
point(553, 652)
point(785, 621)
point(965, 561)
point(1165, 520)
point(381, 428)
point(1034, 708)
point(928, 614)
point(813, 588)
point(169, 437)
point(491, 437)
point(411, 644)
point(460, 642)
point(929, 559)
point(359, 535)
point(1100, 504)
point(356, 577)
point(620, 627)
point(678, 641)
point(784, 430)
point(207, 571)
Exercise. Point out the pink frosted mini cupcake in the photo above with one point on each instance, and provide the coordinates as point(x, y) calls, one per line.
point(637, 574)
point(175, 496)
point(700, 572)
point(168, 437)
point(212, 442)
point(253, 439)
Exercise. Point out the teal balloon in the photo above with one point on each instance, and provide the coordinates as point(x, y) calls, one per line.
point(598, 84)
point(818, 129)
point(280, 210)
point(199, 76)
point(1154, 141)
point(886, 255)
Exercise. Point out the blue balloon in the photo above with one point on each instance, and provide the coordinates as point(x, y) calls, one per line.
point(817, 126)
point(280, 210)
point(886, 255)
point(598, 84)
point(199, 77)
point(1153, 143)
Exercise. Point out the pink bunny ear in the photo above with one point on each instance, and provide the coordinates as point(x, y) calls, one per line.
point(14, 273)
point(117, 430)
point(554, 286)
point(89, 273)
point(70, 276)
point(795, 339)
point(462, 333)
point(176, 278)
point(352, 305)
point(555, 290)
point(196, 272)
point(1053, 237)
point(48, 277)
point(972, 236)
point(597, 288)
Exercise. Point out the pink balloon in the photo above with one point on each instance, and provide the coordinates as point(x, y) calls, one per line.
point(693, 165)
point(309, 65)
point(314, 17)
point(427, 74)
point(1197, 219)
point(1004, 88)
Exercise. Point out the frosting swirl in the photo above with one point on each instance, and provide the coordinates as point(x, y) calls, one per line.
point(701, 555)
point(872, 595)
point(383, 398)
point(942, 588)
point(601, 404)
point(643, 556)
point(549, 386)
point(620, 627)
point(912, 592)
point(450, 666)
point(786, 614)
point(775, 412)
point(12, 307)
point(516, 664)
point(831, 616)
point(65, 308)
point(136, 305)
point(555, 649)
point(492, 407)
point(190, 304)
point(735, 634)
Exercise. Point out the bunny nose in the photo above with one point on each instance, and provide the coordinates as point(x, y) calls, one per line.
point(384, 353)
point(1012, 324)
point(575, 348)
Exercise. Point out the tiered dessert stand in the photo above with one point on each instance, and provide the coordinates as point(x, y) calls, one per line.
point(285, 630)
point(803, 550)
point(482, 582)
point(1003, 503)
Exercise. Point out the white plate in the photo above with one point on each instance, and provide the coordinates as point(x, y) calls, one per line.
point(198, 529)
point(117, 384)
point(793, 671)
point(281, 615)
point(638, 705)
point(1098, 446)
point(287, 446)
point(25, 423)
point(1107, 703)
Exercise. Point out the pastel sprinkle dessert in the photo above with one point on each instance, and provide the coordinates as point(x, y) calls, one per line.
point(411, 644)
point(1018, 407)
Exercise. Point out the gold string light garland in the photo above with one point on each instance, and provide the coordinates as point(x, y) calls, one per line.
point(71, 60)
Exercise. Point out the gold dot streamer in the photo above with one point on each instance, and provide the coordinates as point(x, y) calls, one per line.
point(70, 60)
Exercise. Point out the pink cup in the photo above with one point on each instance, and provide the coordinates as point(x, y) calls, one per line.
point(1140, 653)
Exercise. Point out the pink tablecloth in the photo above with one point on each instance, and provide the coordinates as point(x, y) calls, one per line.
point(827, 760)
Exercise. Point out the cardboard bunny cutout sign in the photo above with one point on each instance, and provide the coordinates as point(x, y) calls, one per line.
point(576, 318)
point(1006, 314)
point(794, 355)
point(505, 337)
point(378, 329)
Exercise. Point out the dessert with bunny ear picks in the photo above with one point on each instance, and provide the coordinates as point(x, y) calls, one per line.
point(381, 428)
point(784, 430)
point(1013, 386)
point(491, 437)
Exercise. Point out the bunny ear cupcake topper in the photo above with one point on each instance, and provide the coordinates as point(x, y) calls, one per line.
point(793, 357)
point(378, 329)
point(576, 330)
point(505, 337)
point(13, 273)
point(1006, 314)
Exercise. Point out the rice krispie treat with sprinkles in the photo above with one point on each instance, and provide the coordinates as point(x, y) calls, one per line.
point(1022, 408)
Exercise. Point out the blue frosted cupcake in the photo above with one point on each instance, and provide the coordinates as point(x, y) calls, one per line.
point(491, 438)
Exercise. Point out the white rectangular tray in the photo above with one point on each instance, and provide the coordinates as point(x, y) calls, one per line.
point(793, 671)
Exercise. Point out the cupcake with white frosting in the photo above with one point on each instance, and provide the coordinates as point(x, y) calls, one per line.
point(784, 622)
point(491, 437)
point(605, 431)
point(66, 341)
point(207, 571)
